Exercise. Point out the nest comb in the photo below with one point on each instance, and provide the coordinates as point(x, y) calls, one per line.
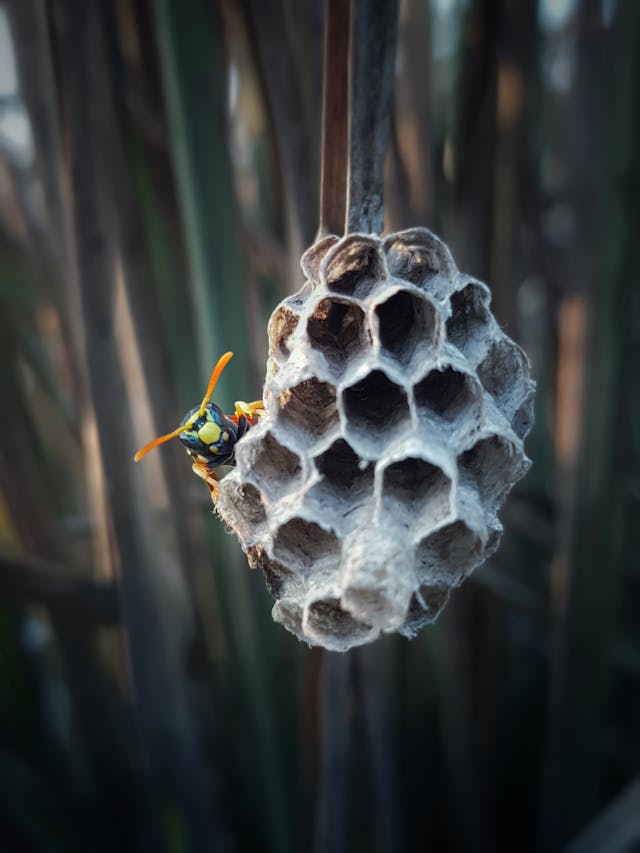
point(396, 410)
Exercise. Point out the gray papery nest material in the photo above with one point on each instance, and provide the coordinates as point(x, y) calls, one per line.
point(396, 410)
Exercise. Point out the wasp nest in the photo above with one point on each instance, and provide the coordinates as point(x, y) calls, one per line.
point(396, 410)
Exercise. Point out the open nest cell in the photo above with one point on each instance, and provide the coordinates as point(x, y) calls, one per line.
point(426, 604)
point(309, 408)
point(338, 329)
point(344, 474)
point(304, 544)
point(282, 325)
point(407, 324)
point(491, 465)
point(448, 393)
point(418, 490)
point(470, 317)
point(327, 623)
point(276, 468)
point(450, 553)
point(354, 267)
point(377, 407)
point(504, 375)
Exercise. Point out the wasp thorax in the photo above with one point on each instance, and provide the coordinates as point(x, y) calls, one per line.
point(396, 410)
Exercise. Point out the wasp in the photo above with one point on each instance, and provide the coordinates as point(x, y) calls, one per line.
point(210, 436)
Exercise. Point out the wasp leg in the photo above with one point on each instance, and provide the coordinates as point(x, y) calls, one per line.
point(210, 477)
point(251, 411)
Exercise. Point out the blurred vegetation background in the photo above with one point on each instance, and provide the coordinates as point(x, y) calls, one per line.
point(159, 177)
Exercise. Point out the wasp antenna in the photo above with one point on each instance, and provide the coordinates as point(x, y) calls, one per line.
point(157, 441)
point(215, 375)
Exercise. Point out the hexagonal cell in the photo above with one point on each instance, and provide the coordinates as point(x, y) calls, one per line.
point(273, 465)
point(278, 579)
point(418, 256)
point(343, 476)
point(354, 267)
point(338, 329)
point(503, 373)
point(447, 392)
point(288, 613)
point(240, 506)
point(378, 607)
point(326, 622)
point(470, 316)
point(378, 405)
point(301, 544)
point(426, 605)
point(449, 554)
point(417, 490)
point(492, 466)
point(282, 325)
point(522, 421)
point(406, 323)
point(309, 408)
point(312, 258)
point(494, 537)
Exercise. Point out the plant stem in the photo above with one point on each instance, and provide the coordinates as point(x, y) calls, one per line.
point(335, 118)
point(371, 74)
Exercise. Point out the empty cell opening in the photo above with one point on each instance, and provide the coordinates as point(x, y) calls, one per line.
point(338, 330)
point(450, 551)
point(274, 464)
point(340, 467)
point(489, 466)
point(300, 544)
point(405, 320)
point(424, 608)
point(309, 407)
point(447, 392)
point(241, 507)
point(282, 325)
point(418, 485)
point(469, 316)
point(522, 421)
point(376, 403)
point(312, 258)
point(355, 269)
point(279, 580)
point(501, 373)
point(325, 619)
point(250, 504)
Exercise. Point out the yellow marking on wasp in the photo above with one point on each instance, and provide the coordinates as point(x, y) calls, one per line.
point(225, 435)
point(209, 433)
point(213, 448)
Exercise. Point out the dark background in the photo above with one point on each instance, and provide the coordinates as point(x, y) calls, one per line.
point(159, 175)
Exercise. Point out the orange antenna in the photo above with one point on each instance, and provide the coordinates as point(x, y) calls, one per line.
point(223, 361)
point(215, 376)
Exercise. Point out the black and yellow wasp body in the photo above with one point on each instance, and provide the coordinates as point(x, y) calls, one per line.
point(210, 436)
